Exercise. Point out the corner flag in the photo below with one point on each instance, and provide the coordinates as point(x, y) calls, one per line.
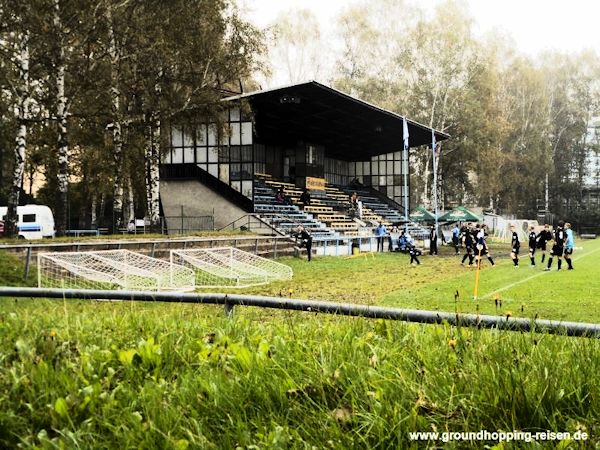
point(434, 190)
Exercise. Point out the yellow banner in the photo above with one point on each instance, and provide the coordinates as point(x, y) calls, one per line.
point(315, 184)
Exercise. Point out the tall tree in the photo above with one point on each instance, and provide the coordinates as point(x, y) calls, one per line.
point(15, 45)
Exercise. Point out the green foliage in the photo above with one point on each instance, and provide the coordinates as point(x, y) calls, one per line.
point(512, 119)
point(180, 376)
point(150, 375)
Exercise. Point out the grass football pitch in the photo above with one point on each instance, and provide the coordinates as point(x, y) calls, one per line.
point(442, 284)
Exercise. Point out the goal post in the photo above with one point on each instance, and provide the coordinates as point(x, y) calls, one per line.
point(112, 269)
point(230, 267)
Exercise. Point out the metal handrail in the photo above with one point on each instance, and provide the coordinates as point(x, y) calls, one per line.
point(581, 329)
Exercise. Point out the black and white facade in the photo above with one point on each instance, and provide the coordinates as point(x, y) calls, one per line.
point(295, 132)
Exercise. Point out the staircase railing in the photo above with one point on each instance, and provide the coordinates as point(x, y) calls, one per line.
point(249, 220)
point(192, 171)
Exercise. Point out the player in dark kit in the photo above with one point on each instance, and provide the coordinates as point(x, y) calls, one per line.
point(414, 252)
point(305, 240)
point(543, 237)
point(532, 244)
point(469, 240)
point(558, 247)
point(515, 245)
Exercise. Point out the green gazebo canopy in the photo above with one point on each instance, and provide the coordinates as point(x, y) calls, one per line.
point(460, 214)
point(420, 214)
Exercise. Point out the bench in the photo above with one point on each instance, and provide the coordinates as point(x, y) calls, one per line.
point(330, 217)
point(318, 209)
point(587, 236)
point(343, 225)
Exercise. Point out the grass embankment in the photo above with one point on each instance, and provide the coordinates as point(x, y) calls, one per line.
point(127, 375)
point(81, 374)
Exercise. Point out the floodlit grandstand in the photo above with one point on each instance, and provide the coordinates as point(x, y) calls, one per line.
point(230, 267)
point(111, 269)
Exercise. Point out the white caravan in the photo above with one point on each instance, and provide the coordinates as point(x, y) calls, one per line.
point(34, 221)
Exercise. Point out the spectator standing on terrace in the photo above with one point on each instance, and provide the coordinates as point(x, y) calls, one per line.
point(380, 232)
point(359, 207)
point(305, 197)
point(353, 209)
point(569, 244)
point(433, 238)
point(456, 238)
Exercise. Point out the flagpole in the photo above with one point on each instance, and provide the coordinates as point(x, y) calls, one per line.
point(405, 171)
point(434, 193)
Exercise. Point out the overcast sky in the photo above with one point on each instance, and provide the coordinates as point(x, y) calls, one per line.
point(535, 25)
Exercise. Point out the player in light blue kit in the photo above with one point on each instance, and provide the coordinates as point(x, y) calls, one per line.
point(569, 244)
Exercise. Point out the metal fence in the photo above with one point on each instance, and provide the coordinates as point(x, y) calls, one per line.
point(347, 309)
point(185, 224)
point(268, 246)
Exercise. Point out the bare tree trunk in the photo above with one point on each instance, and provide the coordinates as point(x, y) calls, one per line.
point(21, 114)
point(115, 95)
point(63, 144)
point(130, 201)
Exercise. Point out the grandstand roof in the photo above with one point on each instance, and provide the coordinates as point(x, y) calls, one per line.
point(349, 128)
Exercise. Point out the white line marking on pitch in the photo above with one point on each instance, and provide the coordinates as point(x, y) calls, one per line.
point(532, 276)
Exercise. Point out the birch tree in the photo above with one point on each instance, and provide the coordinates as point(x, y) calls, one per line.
point(61, 121)
point(15, 47)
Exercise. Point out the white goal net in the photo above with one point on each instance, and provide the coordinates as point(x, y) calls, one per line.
point(230, 267)
point(112, 269)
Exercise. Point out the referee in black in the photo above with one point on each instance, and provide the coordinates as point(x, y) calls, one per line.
point(543, 237)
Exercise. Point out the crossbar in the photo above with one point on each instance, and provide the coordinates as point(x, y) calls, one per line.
point(581, 329)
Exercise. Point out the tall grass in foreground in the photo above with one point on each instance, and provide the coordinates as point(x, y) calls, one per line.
point(80, 374)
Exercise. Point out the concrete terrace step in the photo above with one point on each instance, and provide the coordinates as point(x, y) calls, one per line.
point(318, 209)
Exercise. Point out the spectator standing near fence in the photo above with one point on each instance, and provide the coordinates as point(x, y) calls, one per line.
point(433, 238)
point(456, 238)
point(569, 245)
point(131, 227)
point(380, 232)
